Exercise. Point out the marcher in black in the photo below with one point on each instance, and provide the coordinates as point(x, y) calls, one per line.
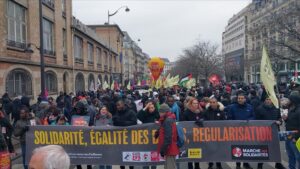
point(124, 117)
point(267, 111)
point(214, 111)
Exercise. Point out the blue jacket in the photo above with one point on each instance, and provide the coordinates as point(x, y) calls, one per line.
point(176, 110)
point(240, 112)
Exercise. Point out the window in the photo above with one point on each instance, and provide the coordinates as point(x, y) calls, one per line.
point(49, 3)
point(98, 54)
point(281, 66)
point(51, 82)
point(63, 6)
point(64, 42)
point(78, 48)
point(16, 25)
point(79, 82)
point(90, 53)
point(48, 37)
point(18, 82)
point(291, 66)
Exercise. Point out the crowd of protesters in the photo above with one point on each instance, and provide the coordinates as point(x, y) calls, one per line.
point(162, 106)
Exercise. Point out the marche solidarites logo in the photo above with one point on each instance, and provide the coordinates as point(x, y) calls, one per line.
point(237, 152)
point(250, 152)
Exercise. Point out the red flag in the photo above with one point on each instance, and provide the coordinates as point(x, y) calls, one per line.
point(46, 93)
point(214, 79)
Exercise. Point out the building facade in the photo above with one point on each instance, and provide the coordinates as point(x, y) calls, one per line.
point(267, 25)
point(75, 55)
point(135, 61)
point(113, 37)
point(233, 46)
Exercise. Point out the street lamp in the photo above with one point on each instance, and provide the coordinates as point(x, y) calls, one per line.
point(112, 14)
point(41, 48)
point(108, 19)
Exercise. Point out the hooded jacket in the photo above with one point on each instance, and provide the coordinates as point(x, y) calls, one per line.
point(167, 141)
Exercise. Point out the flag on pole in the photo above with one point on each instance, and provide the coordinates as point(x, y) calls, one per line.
point(267, 77)
point(112, 86)
point(105, 85)
point(92, 86)
point(166, 82)
point(116, 86)
point(98, 83)
point(128, 86)
point(158, 83)
point(191, 83)
point(184, 80)
point(175, 80)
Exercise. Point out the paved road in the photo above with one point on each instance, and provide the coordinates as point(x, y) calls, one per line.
point(227, 165)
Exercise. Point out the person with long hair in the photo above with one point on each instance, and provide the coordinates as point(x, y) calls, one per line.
point(193, 112)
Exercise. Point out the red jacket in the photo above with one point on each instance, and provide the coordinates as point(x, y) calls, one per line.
point(167, 143)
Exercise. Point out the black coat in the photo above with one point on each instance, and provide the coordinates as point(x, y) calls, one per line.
point(188, 115)
point(126, 117)
point(146, 117)
point(211, 114)
point(255, 102)
point(293, 120)
point(264, 112)
point(3, 146)
point(4, 122)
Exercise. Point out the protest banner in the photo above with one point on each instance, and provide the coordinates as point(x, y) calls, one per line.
point(5, 160)
point(136, 145)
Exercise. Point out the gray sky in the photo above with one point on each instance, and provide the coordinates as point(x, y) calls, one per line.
point(165, 27)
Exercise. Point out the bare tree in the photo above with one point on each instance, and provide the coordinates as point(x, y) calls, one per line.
point(201, 60)
point(280, 32)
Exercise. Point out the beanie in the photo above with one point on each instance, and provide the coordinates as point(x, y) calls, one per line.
point(164, 108)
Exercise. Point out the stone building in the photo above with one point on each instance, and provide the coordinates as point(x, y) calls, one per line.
point(267, 23)
point(75, 55)
point(274, 24)
point(233, 46)
point(113, 37)
point(135, 61)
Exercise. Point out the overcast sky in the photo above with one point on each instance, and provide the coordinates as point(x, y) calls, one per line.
point(165, 27)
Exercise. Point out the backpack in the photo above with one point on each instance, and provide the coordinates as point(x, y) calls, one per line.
point(180, 135)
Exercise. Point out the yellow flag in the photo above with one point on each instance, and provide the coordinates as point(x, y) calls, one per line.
point(191, 83)
point(267, 77)
point(166, 82)
point(298, 144)
point(158, 83)
point(175, 80)
point(112, 86)
point(105, 85)
point(128, 85)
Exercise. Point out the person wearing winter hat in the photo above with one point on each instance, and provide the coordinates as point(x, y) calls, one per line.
point(167, 137)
